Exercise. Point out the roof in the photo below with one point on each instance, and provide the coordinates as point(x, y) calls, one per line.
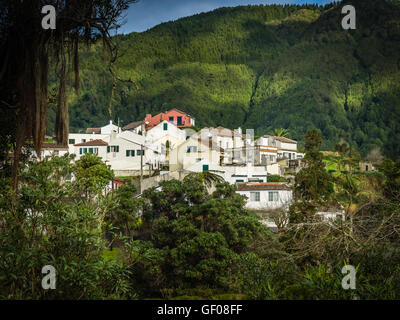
point(285, 140)
point(133, 125)
point(92, 143)
point(93, 130)
point(259, 186)
point(53, 146)
point(183, 112)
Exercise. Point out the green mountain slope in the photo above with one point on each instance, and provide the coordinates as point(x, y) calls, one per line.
point(259, 67)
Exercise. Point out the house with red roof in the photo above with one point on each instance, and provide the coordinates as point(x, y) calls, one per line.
point(179, 118)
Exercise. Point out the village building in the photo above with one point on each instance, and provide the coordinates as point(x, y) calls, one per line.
point(264, 196)
point(193, 150)
point(163, 138)
point(51, 149)
point(137, 127)
point(179, 118)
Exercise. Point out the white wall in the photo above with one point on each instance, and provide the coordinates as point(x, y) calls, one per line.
point(284, 200)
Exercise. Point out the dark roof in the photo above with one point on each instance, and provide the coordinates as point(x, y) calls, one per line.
point(258, 186)
point(285, 140)
point(133, 125)
point(92, 143)
point(53, 146)
point(93, 130)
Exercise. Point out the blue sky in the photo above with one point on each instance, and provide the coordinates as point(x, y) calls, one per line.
point(146, 14)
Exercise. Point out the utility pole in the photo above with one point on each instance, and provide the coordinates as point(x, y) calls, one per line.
point(141, 168)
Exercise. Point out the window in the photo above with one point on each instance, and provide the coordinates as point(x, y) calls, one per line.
point(237, 181)
point(130, 153)
point(179, 120)
point(71, 141)
point(198, 159)
point(84, 150)
point(171, 119)
point(83, 140)
point(165, 126)
point(205, 167)
point(140, 152)
point(191, 149)
point(80, 150)
point(90, 150)
point(113, 149)
point(255, 196)
point(273, 196)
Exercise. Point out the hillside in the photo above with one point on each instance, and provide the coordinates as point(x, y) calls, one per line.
point(260, 67)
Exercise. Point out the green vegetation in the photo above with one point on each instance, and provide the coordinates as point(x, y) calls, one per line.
point(261, 67)
point(181, 242)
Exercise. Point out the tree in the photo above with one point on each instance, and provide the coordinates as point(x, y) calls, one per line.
point(313, 184)
point(50, 223)
point(27, 51)
point(191, 241)
point(92, 175)
point(281, 133)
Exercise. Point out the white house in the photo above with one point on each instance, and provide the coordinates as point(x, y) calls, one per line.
point(264, 196)
point(51, 149)
point(280, 147)
point(236, 174)
point(137, 127)
point(163, 138)
point(195, 149)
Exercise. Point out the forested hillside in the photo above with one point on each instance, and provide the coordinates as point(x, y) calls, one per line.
point(260, 67)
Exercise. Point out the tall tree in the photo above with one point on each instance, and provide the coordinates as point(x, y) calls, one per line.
point(313, 184)
point(27, 48)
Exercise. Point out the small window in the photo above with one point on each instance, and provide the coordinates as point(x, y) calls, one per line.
point(84, 150)
point(140, 152)
point(90, 150)
point(205, 167)
point(113, 149)
point(171, 119)
point(130, 153)
point(255, 196)
point(80, 150)
point(273, 196)
point(191, 149)
point(71, 141)
point(165, 126)
point(239, 181)
point(83, 140)
point(179, 120)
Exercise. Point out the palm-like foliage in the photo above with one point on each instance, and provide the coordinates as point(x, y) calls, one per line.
point(280, 132)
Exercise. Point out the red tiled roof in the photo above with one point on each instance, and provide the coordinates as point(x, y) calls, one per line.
point(92, 143)
point(256, 186)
